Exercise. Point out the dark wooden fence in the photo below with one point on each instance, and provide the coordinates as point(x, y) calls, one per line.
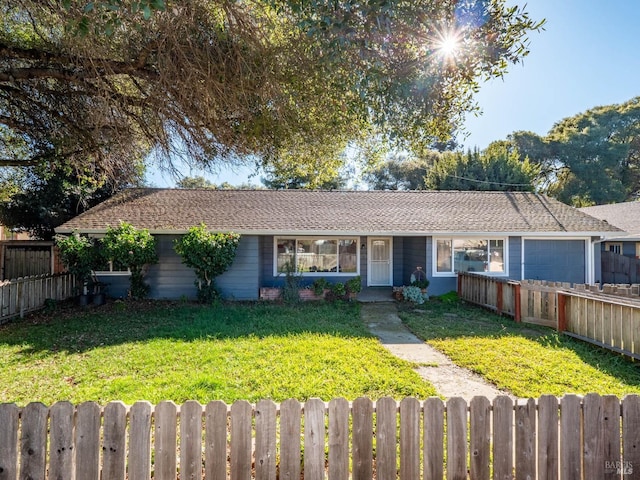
point(618, 268)
point(590, 438)
point(609, 318)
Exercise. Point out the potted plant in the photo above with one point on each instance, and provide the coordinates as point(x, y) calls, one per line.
point(419, 279)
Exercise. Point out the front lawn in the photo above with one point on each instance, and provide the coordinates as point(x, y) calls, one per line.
point(526, 360)
point(161, 351)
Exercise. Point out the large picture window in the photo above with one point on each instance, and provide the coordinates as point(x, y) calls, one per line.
point(455, 255)
point(329, 255)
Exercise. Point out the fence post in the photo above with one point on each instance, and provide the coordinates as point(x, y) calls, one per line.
point(562, 312)
point(459, 285)
point(517, 315)
point(499, 286)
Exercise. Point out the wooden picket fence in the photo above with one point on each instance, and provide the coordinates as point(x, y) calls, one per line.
point(607, 317)
point(592, 438)
point(23, 295)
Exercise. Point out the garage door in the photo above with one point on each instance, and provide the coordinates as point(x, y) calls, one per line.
point(555, 260)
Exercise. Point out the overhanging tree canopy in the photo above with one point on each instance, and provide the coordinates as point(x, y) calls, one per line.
point(107, 81)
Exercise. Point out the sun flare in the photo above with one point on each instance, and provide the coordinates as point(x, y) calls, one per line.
point(448, 44)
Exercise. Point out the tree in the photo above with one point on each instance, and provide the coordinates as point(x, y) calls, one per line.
point(401, 172)
point(209, 254)
point(104, 82)
point(130, 249)
point(42, 197)
point(195, 182)
point(494, 169)
point(599, 151)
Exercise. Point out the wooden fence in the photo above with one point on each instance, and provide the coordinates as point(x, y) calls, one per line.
point(618, 268)
point(23, 295)
point(601, 317)
point(591, 438)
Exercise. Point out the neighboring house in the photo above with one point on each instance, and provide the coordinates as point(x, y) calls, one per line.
point(383, 236)
point(625, 216)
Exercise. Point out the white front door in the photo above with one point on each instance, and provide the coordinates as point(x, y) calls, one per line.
point(380, 264)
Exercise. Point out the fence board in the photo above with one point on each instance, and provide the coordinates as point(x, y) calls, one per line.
point(630, 435)
point(548, 438)
point(215, 449)
point(433, 438)
point(265, 456)
point(114, 444)
point(33, 447)
point(338, 439)
point(9, 441)
point(191, 440)
point(610, 435)
point(525, 434)
point(502, 438)
point(480, 438)
point(570, 453)
point(166, 434)
point(362, 417)
point(314, 439)
point(87, 441)
point(456, 439)
point(290, 415)
point(593, 450)
point(409, 439)
point(386, 424)
point(61, 443)
point(241, 418)
point(140, 442)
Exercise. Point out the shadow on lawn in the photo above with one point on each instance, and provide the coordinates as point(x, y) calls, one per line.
point(460, 320)
point(74, 329)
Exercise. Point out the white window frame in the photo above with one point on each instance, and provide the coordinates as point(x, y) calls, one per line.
point(637, 249)
point(618, 247)
point(111, 272)
point(451, 238)
point(276, 273)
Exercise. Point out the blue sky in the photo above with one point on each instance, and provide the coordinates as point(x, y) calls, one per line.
point(588, 55)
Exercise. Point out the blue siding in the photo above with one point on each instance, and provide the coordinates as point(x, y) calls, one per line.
point(170, 279)
point(398, 258)
point(415, 255)
point(555, 260)
point(117, 286)
point(515, 258)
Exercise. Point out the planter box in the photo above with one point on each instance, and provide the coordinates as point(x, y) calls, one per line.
point(270, 293)
point(306, 294)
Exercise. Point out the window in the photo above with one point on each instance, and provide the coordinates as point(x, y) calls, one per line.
point(469, 255)
point(615, 247)
point(317, 255)
point(637, 249)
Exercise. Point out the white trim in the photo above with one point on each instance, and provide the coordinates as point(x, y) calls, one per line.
point(276, 273)
point(434, 254)
point(360, 233)
point(369, 242)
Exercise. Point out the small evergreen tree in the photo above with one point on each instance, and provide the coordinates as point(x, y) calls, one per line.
point(209, 254)
point(133, 249)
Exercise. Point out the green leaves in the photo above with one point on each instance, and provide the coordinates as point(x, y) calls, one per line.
point(130, 248)
point(78, 254)
point(209, 254)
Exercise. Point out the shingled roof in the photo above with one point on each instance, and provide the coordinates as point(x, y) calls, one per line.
point(303, 212)
point(625, 216)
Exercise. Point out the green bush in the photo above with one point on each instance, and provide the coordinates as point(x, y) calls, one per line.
point(319, 285)
point(133, 249)
point(354, 285)
point(209, 255)
point(78, 254)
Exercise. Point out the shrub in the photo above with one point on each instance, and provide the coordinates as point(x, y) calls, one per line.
point(339, 290)
point(291, 290)
point(133, 249)
point(209, 254)
point(319, 286)
point(354, 285)
point(413, 294)
point(78, 253)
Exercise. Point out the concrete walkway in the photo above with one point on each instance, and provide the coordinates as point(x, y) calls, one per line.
point(449, 379)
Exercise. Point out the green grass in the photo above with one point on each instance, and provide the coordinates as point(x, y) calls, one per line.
point(177, 352)
point(526, 360)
